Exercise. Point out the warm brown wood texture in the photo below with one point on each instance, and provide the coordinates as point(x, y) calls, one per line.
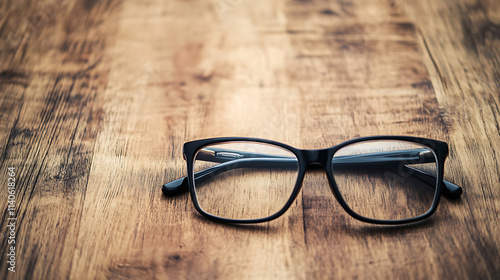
point(97, 98)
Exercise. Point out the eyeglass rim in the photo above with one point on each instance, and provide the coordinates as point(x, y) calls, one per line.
point(439, 148)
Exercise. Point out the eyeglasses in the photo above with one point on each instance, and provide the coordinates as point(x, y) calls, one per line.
point(378, 179)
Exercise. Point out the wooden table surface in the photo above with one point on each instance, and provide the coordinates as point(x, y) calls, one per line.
point(97, 98)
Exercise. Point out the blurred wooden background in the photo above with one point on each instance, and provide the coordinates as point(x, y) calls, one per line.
point(97, 98)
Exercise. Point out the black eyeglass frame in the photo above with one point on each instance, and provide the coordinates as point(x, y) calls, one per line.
point(322, 157)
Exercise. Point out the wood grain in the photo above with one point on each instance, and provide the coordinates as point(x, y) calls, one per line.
point(97, 98)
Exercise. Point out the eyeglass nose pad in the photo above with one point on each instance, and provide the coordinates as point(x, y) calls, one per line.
point(298, 183)
point(332, 184)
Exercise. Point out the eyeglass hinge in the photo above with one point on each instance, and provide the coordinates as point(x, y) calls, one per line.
point(228, 155)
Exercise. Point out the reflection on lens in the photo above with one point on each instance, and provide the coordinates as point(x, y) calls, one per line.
point(385, 180)
point(244, 180)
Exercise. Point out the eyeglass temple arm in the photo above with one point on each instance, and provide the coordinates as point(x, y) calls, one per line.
point(181, 185)
point(230, 159)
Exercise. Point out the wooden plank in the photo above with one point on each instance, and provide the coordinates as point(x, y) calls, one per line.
point(98, 98)
point(51, 80)
point(174, 84)
point(461, 46)
point(360, 72)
